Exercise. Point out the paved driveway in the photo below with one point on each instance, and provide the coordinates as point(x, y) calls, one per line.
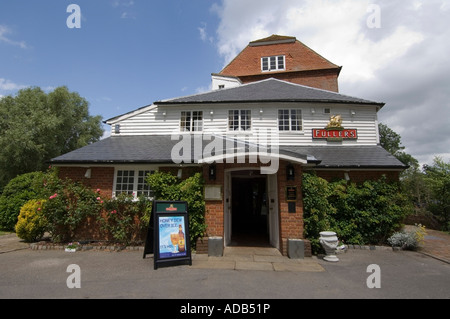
point(43, 274)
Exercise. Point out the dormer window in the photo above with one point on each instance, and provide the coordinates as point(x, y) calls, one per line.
point(273, 63)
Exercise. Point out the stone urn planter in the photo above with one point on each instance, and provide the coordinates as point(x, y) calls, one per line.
point(329, 242)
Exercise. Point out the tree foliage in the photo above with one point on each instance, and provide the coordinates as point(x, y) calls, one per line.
point(437, 181)
point(36, 127)
point(392, 142)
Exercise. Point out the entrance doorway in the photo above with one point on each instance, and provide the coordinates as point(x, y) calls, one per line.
point(249, 209)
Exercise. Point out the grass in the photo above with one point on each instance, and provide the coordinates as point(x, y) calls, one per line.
point(4, 232)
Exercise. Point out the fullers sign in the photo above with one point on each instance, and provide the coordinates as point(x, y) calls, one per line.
point(335, 135)
point(334, 132)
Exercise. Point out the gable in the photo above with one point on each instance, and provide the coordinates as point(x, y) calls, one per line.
point(299, 57)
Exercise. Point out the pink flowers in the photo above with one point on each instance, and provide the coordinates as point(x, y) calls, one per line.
point(114, 212)
point(54, 196)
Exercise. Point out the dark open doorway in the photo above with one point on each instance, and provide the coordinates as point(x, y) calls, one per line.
point(249, 211)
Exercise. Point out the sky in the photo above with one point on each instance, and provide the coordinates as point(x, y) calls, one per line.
point(126, 54)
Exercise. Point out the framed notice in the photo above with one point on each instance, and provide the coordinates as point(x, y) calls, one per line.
point(291, 194)
point(171, 234)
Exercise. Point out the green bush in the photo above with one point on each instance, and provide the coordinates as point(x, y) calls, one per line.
point(31, 224)
point(70, 205)
point(19, 191)
point(317, 208)
point(125, 219)
point(168, 187)
point(360, 214)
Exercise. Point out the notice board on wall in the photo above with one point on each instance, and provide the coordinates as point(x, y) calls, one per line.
point(171, 245)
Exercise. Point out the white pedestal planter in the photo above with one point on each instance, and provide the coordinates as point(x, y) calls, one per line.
point(329, 242)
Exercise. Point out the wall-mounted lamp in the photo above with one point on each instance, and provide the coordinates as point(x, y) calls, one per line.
point(212, 113)
point(261, 111)
point(164, 113)
point(347, 176)
point(88, 173)
point(313, 111)
point(290, 173)
point(352, 112)
point(180, 173)
point(212, 173)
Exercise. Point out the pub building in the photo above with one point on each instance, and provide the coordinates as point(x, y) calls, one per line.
point(274, 112)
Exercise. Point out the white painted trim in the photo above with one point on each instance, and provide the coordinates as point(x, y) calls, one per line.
point(221, 158)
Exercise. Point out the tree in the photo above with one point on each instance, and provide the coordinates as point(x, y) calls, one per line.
point(392, 142)
point(36, 127)
point(437, 179)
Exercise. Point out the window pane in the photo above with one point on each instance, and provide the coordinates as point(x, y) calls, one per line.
point(273, 63)
point(245, 120)
point(283, 120)
point(296, 120)
point(197, 122)
point(185, 125)
point(143, 189)
point(265, 64)
point(281, 62)
point(124, 182)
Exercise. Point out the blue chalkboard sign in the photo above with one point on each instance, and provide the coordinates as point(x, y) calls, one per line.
point(171, 245)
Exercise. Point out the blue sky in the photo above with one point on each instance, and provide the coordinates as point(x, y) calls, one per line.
point(130, 53)
point(126, 54)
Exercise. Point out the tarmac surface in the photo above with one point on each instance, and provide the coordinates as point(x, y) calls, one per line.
point(242, 273)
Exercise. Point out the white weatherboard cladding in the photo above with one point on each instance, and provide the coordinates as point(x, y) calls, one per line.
point(165, 120)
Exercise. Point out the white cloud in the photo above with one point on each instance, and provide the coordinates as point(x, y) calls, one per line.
point(4, 32)
point(204, 34)
point(124, 4)
point(404, 63)
point(7, 85)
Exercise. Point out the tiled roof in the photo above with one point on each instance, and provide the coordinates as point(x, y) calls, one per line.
point(273, 38)
point(270, 90)
point(157, 149)
point(349, 156)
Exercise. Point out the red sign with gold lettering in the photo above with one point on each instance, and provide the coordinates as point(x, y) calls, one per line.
point(335, 134)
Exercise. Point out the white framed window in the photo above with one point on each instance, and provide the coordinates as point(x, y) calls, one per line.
point(239, 120)
point(132, 182)
point(273, 63)
point(191, 121)
point(290, 120)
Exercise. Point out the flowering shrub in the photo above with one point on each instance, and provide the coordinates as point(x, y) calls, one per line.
point(69, 206)
point(31, 223)
point(124, 219)
point(408, 240)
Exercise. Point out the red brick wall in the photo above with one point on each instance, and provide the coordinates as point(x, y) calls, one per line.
point(214, 215)
point(101, 178)
point(291, 224)
point(321, 79)
point(299, 59)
